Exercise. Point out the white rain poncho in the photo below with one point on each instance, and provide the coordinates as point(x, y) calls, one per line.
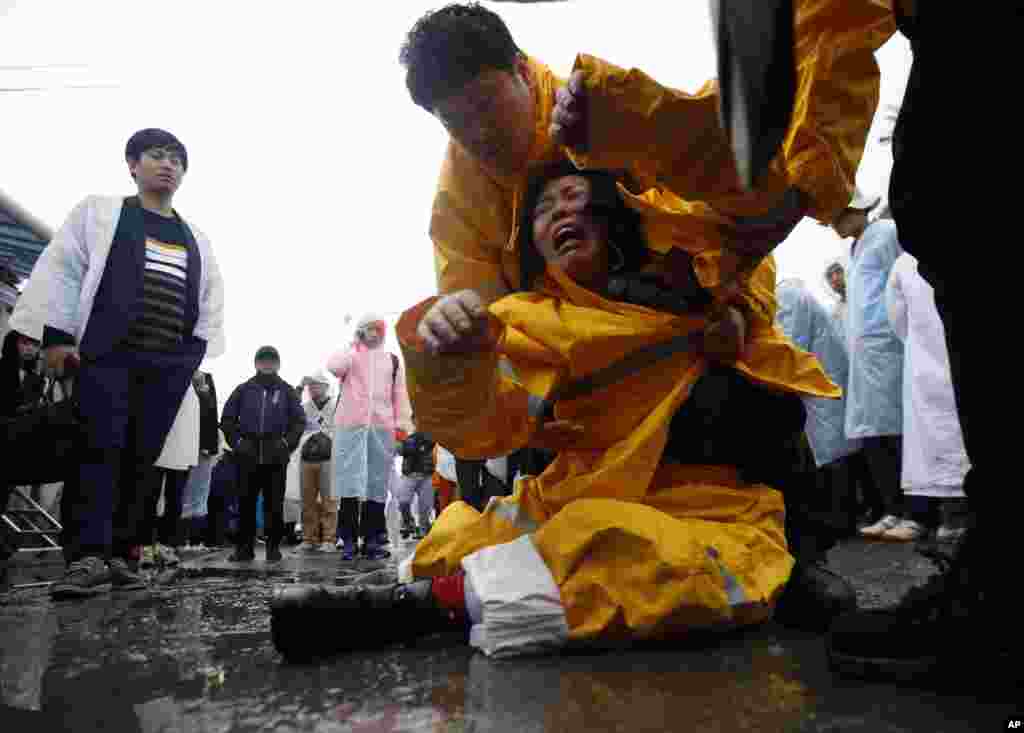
point(934, 457)
point(373, 404)
point(874, 394)
point(808, 325)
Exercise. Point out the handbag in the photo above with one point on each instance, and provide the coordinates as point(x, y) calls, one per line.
point(41, 443)
point(317, 449)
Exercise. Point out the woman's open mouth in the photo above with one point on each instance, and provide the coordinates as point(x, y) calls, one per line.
point(568, 236)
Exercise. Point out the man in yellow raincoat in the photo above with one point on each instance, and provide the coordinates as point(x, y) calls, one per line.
point(507, 114)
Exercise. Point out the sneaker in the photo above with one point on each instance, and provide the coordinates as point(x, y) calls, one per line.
point(950, 534)
point(327, 547)
point(906, 531)
point(122, 577)
point(148, 557)
point(310, 547)
point(883, 525)
point(242, 554)
point(167, 555)
point(87, 577)
point(273, 553)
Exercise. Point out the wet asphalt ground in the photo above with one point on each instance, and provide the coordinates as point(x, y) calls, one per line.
point(193, 654)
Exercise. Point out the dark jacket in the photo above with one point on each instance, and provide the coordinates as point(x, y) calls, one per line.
point(208, 438)
point(417, 453)
point(263, 420)
point(16, 394)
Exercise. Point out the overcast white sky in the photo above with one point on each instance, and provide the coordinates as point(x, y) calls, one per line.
point(309, 167)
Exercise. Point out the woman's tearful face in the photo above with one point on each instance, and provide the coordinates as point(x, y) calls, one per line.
point(568, 234)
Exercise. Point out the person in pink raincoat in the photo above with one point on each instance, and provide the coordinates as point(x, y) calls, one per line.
point(373, 408)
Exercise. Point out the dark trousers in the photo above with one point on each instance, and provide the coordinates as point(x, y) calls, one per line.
point(270, 479)
point(128, 401)
point(729, 420)
point(168, 528)
point(884, 457)
point(361, 520)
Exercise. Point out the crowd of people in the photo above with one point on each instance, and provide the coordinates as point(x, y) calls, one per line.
point(614, 422)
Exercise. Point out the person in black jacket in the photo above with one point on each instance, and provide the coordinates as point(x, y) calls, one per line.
point(262, 423)
point(197, 490)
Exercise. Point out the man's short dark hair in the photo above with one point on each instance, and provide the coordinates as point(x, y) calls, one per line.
point(450, 47)
point(153, 137)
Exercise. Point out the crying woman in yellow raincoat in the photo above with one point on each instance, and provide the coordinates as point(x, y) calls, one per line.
point(658, 515)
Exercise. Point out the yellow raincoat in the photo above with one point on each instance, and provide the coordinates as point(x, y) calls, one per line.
point(673, 146)
point(609, 542)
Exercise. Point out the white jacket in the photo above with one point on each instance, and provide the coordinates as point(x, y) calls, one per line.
point(181, 446)
point(64, 281)
point(934, 457)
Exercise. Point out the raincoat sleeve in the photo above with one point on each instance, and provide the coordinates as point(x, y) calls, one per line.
point(229, 419)
point(670, 137)
point(50, 301)
point(339, 364)
point(896, 300)
point(467, 228)
point(463, 401)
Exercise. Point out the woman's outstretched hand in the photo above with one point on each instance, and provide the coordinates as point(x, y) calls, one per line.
point(455, 323)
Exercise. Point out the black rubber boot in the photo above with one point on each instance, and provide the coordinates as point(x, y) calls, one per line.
point(814, 597)
point(311, 622)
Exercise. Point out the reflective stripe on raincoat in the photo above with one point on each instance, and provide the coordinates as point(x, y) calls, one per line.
point(874, 393)
point(609, 542)
point(808, 325)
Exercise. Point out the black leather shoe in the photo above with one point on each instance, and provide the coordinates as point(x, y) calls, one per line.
point(813, 597)
point(311, 622)
point(273, 553)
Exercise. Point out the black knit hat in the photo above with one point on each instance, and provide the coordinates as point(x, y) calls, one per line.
point(153, 137)
point(267, 353)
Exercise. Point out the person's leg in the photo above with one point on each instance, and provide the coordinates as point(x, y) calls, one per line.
point(170, 523)
point(371, 526)
point(425, 503)
point(249, 488)
point(328, 508)
point(348, 526)
point(884, 457)
point(275, 477)
point(403, 495)
point(310, 487)
point(102, 390)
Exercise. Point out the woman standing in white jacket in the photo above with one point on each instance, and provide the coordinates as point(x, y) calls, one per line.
point(319, 504)
point(934, 457)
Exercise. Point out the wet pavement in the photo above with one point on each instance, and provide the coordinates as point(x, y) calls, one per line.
point(193, 653)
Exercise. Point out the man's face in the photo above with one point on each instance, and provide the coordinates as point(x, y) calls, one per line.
point(267, 366)
point(317, 391)
point(838, 281)
point(158, 170)
point(27, 348)
point(493, 118)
